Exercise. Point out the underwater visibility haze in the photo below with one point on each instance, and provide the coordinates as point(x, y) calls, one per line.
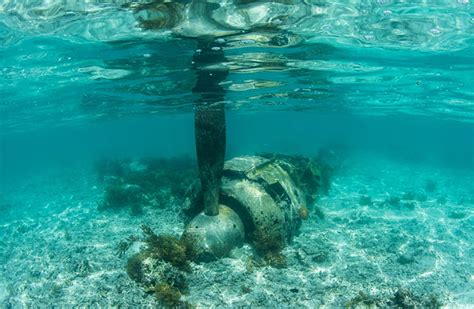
point(220, 154)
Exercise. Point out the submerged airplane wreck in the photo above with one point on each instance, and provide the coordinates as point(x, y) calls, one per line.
point(263, 201)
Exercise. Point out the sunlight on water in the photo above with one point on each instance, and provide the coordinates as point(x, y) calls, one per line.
point(341, 50)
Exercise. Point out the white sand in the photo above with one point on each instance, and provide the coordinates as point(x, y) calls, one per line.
point(56, 248)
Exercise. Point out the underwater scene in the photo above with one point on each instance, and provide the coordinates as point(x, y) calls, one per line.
point(237, 154)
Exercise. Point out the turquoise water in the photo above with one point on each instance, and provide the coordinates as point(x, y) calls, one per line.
point(385, 87)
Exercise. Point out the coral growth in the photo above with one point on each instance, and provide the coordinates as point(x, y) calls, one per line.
point(147, 182)
point(161, 267)
point(122, 195)
point(169, 249)
point(125, 244)
point(135, 265)
point(168, 295)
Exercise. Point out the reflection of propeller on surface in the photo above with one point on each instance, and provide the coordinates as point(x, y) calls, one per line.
point(260, 23)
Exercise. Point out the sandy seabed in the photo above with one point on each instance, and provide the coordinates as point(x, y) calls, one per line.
point(56, 248)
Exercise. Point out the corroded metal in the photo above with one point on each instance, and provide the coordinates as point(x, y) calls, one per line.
point(264, 195)
point(267, 194)
point(213, 237)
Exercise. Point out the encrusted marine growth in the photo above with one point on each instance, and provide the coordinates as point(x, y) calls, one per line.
point(135, 268)
point(161, 267)
point(271, 194)
point(269, 248)
point(310, 175)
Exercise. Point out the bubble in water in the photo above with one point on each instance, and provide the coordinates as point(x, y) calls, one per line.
point(435, 31)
